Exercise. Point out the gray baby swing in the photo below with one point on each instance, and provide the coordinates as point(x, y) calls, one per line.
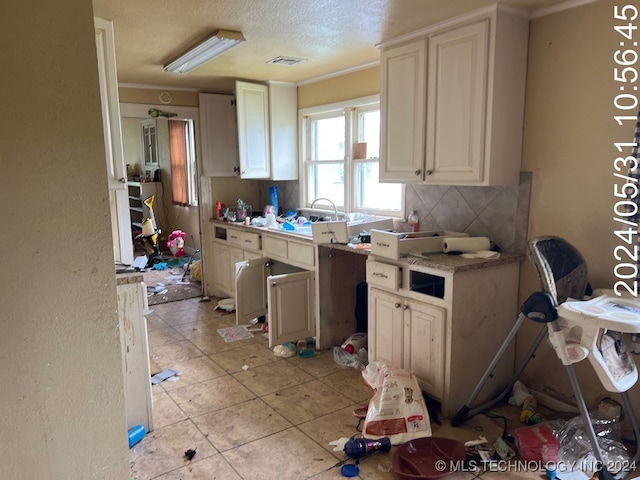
point(577, 330)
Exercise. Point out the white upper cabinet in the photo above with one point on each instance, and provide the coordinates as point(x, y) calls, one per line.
point(218, 135)
point(267, 130)
point(403, 114)
point(453, 101)
point(253, 130)
point(456, 93)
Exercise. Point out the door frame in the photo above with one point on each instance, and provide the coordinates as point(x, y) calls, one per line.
point(141, 111)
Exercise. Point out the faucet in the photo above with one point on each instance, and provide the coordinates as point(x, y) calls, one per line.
point(335, 209)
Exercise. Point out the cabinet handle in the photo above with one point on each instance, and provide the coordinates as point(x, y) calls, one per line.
point(273, 284)
point(376, 274)
point(123, 180)
point(417, 173)
point(428, 172)
point(405, 307)
point(397, 305)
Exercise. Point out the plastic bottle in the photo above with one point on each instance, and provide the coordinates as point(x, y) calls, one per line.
point(355, 342)
point(273, 198)
point(528, 408)
point(414, 222)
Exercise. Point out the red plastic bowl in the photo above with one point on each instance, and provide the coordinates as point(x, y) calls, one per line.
point(422, 458)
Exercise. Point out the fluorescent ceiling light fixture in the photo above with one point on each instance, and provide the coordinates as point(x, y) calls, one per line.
point(217, 44)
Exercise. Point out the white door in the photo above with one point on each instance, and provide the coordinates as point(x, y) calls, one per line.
point(116, 170)
point(385, 330)
point(252, 102)
point(291, 307)
point(251, 294)
point(456, 104)
point(424, 327)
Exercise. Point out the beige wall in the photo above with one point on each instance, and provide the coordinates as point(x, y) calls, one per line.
point(345, 87)
point(568, 145)
point(62, 400)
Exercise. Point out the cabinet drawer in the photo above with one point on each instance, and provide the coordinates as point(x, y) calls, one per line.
point(302, 253)
point(234, 237)
point(383, 275)
point(275, 247)
point(246, 240)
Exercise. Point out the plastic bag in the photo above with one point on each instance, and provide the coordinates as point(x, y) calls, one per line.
point(575, 448)
point(397, 409)
point(355, 360)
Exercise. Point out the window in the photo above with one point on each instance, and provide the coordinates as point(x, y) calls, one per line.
point(182, 156)
point(341, 156)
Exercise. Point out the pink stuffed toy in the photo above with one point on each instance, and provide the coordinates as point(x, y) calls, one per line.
point(175, 242)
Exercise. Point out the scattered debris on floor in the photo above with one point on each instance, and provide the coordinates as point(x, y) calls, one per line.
point(168, 374)
point(190, 453)
point(136, 434)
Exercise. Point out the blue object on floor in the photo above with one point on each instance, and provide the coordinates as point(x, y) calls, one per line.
point(349, 470)
point(136, 434)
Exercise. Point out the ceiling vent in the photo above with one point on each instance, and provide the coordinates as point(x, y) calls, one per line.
point(281, 60)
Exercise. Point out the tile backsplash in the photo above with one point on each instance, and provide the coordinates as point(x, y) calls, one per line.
point(500, 213)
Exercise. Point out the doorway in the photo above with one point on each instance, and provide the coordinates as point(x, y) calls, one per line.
point(148, 154)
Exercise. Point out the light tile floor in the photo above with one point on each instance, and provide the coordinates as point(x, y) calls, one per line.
point(272, 420)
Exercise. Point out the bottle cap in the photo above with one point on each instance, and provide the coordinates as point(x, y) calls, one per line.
point(349, 470)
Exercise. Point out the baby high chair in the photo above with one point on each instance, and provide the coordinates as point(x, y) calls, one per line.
point(577, 329)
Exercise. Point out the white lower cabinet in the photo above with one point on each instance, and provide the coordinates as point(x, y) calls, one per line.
point(225, 258)
point(444, 319)
point(408, 334)
point(282, 292)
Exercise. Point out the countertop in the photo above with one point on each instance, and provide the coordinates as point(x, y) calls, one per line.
point(439, 261)
point(128, 277)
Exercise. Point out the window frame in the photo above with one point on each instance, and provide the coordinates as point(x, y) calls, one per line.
point(350, 109)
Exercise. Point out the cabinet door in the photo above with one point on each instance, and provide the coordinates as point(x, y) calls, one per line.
point(220, 255)
point(424, 330)
point(253, 130)
point(251, 290)
point(402, 109)
point(456, 104)
point(291, 301)
point(385, 329)
point(224, 261)
point(218, 135)
point(283, 115)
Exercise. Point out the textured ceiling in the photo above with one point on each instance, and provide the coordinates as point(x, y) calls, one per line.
point(332, 35)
